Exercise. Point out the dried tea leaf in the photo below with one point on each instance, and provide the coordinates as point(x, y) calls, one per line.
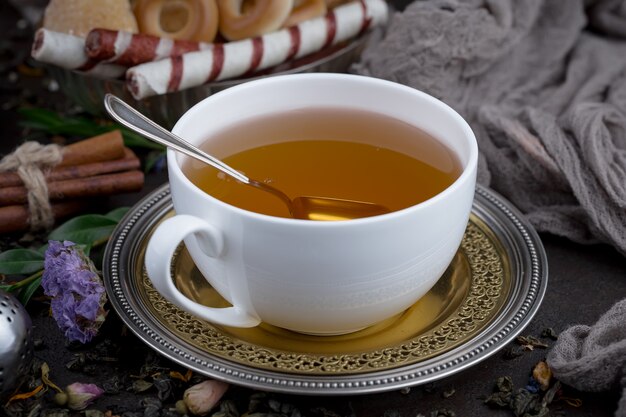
point(164, 387)
point(449, 393)
point(256, 402)
point(274, 405)
point(288, 409)
point(113, 385)
point(430, 387)
point(512, 353)
point(45, 371)
point(502, 394)
point(271, 414)
point(178, 375)
point(93, 413)
point(141, 385)
point(25, 395)
point(152, 407)
point(35, 410)
point(227, 409)
point(152, 366)
point(262, 405)
point(107, 350)
point(499, 399)
point(504, 384)
point(152, 411)
point(170, 412)
point(443, 413)
point(530, 342)
point(150, 401)
point(524, 402)
point(549, 333)
point(573, 402)
point(90, 369)
point(229, 406)
point(548, 397)
point(324, 412)
point(14, 409)
point(77, 363)
point(543, 412)
point(59, 412)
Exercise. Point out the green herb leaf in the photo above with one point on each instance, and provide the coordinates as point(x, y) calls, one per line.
point(20, 261)
point(39, 117)
point(87, 229)
point(49, 122)
point(27, 292)
point(117, 214)
point(23, 283)
point(133, 140)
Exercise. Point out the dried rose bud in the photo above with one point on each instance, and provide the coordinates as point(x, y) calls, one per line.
point(79, 395)
point(202, 397)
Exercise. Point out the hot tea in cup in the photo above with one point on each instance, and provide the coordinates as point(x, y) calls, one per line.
point(329, 152)
point(329, 135)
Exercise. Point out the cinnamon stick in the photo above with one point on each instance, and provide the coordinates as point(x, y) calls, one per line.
point(97, 185)
point(16, 218)
point(128, 162)
point(104, 147)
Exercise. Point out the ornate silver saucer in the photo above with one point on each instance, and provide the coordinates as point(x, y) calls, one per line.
point(489, 293)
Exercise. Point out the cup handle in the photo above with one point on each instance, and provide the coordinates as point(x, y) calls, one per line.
point(159, 255)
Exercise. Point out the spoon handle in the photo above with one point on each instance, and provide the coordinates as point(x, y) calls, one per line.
point(137, 122)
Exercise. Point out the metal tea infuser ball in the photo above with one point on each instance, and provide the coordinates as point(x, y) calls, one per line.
point(16, 348)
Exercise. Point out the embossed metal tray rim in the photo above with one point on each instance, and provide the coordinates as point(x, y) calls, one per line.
point(529, 272)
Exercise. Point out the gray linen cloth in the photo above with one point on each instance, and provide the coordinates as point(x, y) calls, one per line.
point(593, 358)
point(543, 85)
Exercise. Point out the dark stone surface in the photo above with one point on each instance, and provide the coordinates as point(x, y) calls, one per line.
point(584, 282)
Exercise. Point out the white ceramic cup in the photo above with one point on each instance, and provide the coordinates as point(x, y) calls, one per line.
point(310, 276)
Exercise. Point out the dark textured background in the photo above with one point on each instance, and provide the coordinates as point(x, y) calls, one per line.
point(584, 282)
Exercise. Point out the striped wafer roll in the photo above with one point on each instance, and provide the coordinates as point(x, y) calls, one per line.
point(130, 49)
point(68, 51)
point(234, 59)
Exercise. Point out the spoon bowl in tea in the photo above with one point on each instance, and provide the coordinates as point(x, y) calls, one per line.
point(301, 207)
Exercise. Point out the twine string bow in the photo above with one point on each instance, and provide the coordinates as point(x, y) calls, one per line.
point(31, 160)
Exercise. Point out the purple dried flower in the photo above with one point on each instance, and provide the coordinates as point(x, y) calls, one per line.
point(78, 296)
